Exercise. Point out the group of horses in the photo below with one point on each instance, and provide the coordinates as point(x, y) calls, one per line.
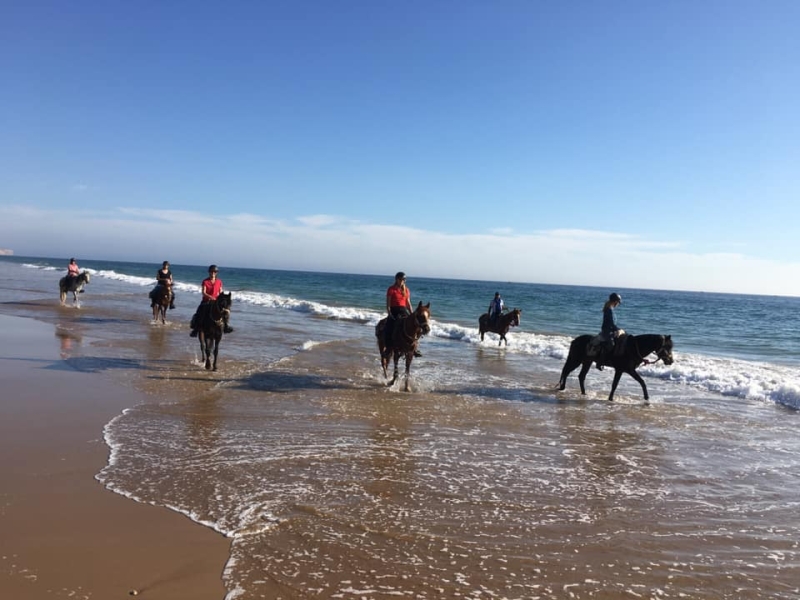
point(631, 350)
point(210, 322)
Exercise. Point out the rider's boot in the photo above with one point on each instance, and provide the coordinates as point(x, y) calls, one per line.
point(193, 325)
point(227, 328)
point(172, 301)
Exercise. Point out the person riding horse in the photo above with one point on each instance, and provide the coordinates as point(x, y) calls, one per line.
point(398, 304)
point(495, 308)
point(72, 272)
point(609, 332)
point(163, 278)
point(211, 287)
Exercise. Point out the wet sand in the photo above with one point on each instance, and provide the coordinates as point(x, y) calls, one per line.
point(61, 533)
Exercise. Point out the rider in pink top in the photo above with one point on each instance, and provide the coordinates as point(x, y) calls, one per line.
point(72, 271)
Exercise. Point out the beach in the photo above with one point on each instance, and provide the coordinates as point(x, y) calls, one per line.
point(294, 472)
point(61, 533)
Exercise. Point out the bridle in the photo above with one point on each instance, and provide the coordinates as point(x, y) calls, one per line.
point(660, 352)
point(215, 308)
point(420, 321)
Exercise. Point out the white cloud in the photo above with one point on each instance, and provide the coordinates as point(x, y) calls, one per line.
point(331, 243)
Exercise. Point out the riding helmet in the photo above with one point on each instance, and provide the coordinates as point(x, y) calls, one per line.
point(615, 297)
point(212, 268)
point(400, 275)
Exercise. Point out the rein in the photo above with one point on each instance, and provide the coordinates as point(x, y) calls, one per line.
point(417, 329)
point(642, 358)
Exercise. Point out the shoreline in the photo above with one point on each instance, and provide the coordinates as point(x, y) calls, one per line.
point(61, 531)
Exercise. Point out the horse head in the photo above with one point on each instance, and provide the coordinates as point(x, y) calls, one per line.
point(515, 315)
point(665, 351)
point(422, 317)
point(223, 304)
point(85, 276)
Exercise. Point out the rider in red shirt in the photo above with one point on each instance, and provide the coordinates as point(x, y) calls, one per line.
point(398, 304)
point(210, 288)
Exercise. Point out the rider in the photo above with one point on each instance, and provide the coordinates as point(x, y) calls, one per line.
point(495, 308)
point(398, 304)
point(72, 272)
point(609, 332)
point(164, 277)
point(210, 288)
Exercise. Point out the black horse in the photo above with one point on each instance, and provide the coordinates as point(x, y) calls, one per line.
point(500, 325)
point(212, 318)
point(160, 298)
point(404, 338)
point(74, 285)
point(630, 352)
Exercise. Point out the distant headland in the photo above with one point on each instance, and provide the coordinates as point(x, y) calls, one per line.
point(6, 252)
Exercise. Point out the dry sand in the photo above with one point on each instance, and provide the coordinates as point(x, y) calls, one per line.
point(61, 533)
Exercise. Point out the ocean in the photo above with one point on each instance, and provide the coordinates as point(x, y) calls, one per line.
point(484, 481)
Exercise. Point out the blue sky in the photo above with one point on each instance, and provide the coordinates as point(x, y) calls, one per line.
point(622, 144)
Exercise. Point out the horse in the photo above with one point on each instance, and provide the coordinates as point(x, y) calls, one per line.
point(629, 352)
point(501, 325)
point(405, 336)
point(74, 285)
point(211, 319)
point(160, 298)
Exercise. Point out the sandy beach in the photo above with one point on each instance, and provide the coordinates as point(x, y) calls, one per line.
point(61, 533)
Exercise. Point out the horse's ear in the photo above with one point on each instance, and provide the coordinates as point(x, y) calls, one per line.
point(419, 305)
point(428, 305)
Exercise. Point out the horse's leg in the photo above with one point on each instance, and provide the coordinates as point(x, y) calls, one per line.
point(204, 349)
point(409, 358)
point(396, 355)
point(569, 367)
point(637, 377)
point(617, 375)
point(381, 352)
point(587, 364)
point(216, 350)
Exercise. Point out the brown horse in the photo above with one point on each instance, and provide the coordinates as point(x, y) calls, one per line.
point(403, 340)
point(629, 353)
point(160, 298)
point(74, 285)
point(501, 325)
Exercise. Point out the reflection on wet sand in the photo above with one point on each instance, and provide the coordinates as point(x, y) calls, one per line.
point(68, 340)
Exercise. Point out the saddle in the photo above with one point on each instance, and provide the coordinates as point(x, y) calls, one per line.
point(600, 342)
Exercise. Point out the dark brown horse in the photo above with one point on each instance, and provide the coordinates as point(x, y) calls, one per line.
point(403, 339)
point(211, 320)
point(74, 285)
point(160, 298)
point(630, 352)
point(501, 325)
